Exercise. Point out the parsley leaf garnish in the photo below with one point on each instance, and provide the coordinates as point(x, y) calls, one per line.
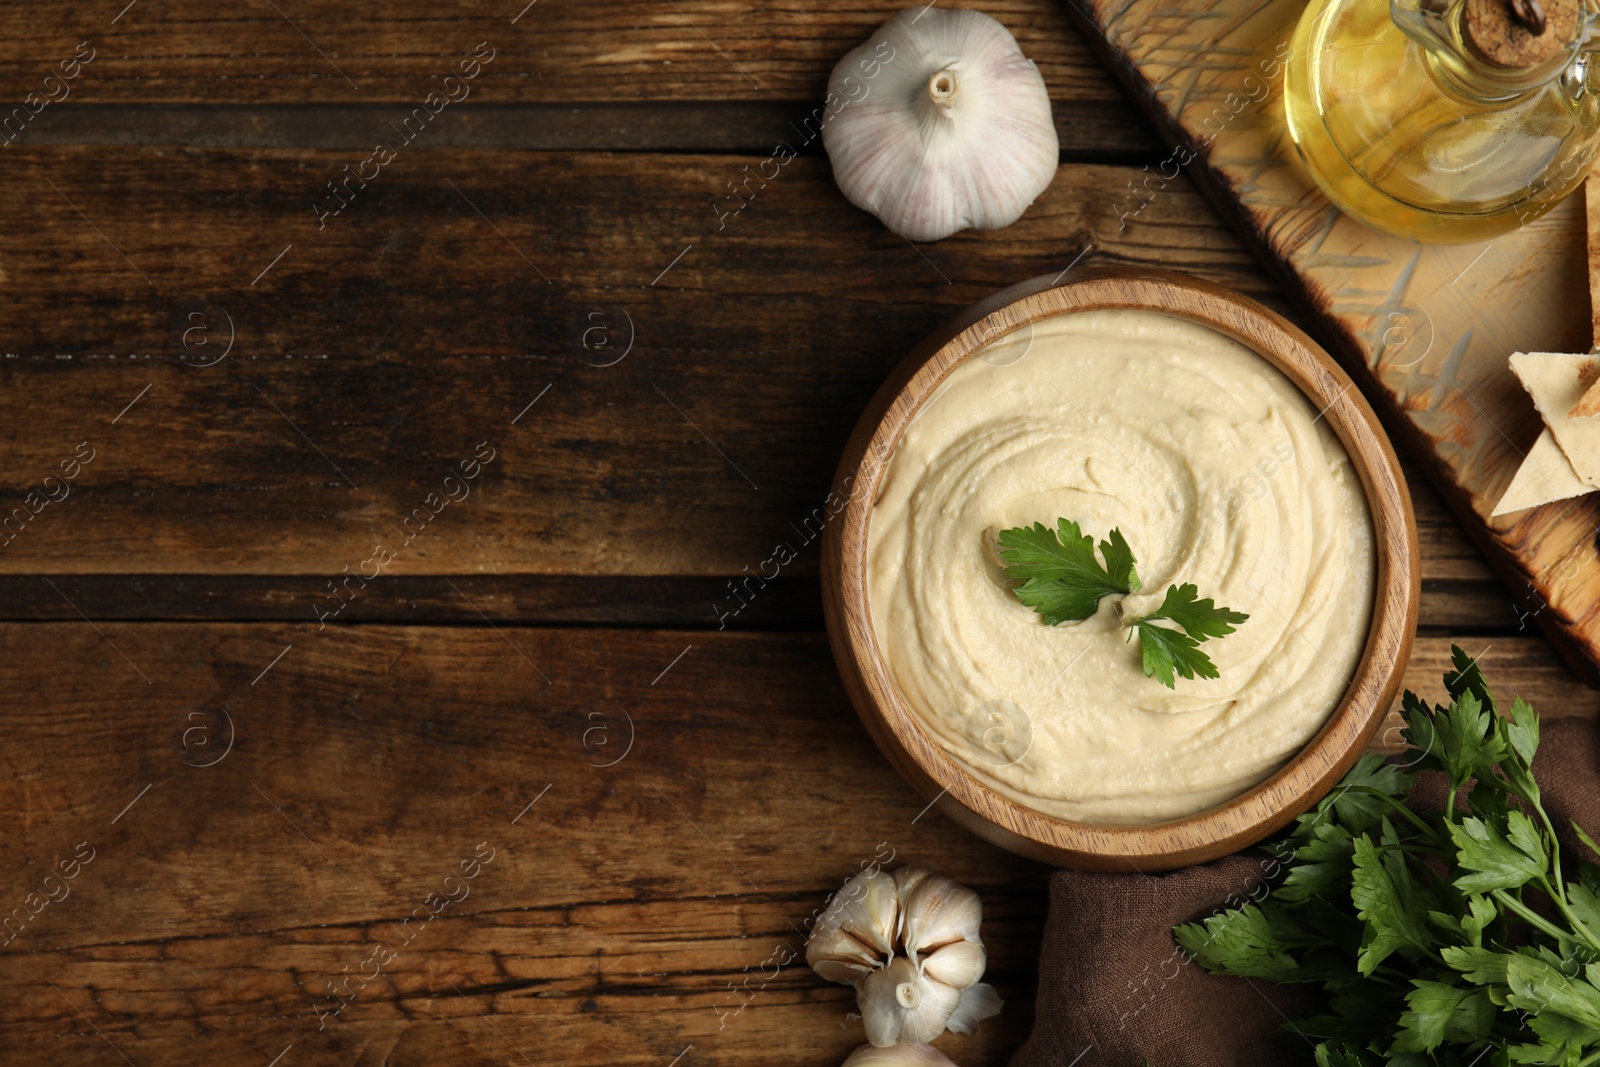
point(1166, 650)
point(1064, 582)
point(1200, 619)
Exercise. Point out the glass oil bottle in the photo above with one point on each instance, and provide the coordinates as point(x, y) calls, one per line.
point(1444, 121)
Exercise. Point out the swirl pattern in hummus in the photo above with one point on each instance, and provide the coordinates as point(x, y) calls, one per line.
point(1218, 471)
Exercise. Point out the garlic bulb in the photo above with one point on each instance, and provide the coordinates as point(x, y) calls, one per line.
point(909, 944)
point(898, 1056)
point(942, 124)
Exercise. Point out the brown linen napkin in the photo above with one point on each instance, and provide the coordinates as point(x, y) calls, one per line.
point(1115, 991)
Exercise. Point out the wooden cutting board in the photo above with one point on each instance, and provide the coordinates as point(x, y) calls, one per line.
point(1425, 331)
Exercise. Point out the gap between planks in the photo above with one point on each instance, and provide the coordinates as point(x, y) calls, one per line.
point(1091, 131)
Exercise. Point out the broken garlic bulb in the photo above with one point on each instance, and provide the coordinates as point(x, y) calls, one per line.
point(898, 1056)
point(908, 942)
point(943, 124)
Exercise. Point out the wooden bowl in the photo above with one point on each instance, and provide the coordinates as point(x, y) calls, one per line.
point(1255, 814)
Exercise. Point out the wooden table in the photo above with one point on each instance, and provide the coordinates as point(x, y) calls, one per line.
point(545, 687)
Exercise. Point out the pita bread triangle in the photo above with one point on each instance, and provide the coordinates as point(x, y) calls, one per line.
point(1565, 461)
point(1544, 477)
point(1557, 382)
point(1589, 405)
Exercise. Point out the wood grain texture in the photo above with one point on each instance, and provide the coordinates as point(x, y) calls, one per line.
point(792, 601)
point(556, 51)
point(606, 928)
point(1218, 831)
point(396, 339)
point(1090, 130)
point(367, 762)
point(1591, 201)
point(1426, 331)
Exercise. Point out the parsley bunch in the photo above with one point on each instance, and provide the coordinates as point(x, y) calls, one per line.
point(1062, 581)
point(1440, 937)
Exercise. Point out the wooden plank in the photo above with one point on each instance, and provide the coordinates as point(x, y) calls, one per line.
point(605, 930)
point(1447, 553)
point(188, 51)
point(370, 355)
point(789, 602)
point(1424, 330)
point(1459, 594)
point(1090, 130)
point(613, 914)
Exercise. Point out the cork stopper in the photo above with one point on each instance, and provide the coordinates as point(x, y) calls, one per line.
point(1520, 33)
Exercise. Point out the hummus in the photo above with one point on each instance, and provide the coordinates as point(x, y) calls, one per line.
point(1216, 469)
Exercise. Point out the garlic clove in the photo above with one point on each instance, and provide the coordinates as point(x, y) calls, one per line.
point(859, 926)
point(977, 1003)
point(899, 1005)
point(943, 124)
point(939, 912)
point(878, 911)
point(835, 945)
point(906, 879)
point(898, 1056)
point(958, 964)
point(845, 973)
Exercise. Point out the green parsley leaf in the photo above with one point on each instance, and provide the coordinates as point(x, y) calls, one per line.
point(1119, 561)
point(1470, 741)
point(1523, 730)
point(1345, 1056)
point(1322, 863)
point(1165, 650)
point(1388, 900)
point(1058, 601)
point(1467, 678)
point(1367, 793)
point(1539, 986)
point(1438, 1010)
point(1494, 860)
point(1480, 966)
point(1241, 943)
point(1062, 580)
point(1585, 906)
point(1419, 732)
point(1200, 619)
point(1586, 839)
point(1480, 913)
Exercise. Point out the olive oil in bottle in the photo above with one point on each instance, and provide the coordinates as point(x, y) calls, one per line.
point(1444, 121)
